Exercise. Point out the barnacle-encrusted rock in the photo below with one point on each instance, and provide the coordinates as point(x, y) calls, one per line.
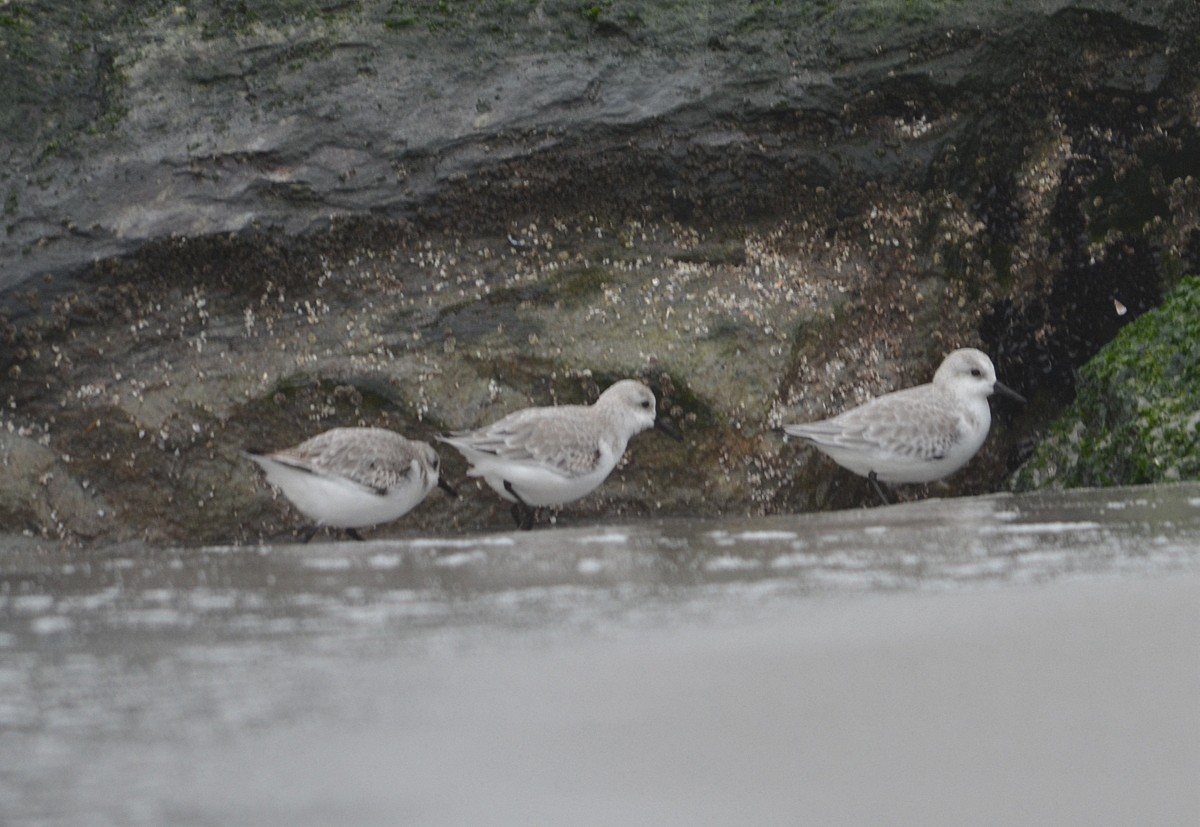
point(241, 224)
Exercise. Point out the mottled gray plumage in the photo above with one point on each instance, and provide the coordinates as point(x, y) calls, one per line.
point(372, 457)
point(353, 477)
point(918, 423)
point(918, 434)
point(548, 456)
point(563, 437)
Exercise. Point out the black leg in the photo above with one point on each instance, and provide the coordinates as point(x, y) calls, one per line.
point(309, 533)
point(883, 497)
point(353, 534)
point(522, 512)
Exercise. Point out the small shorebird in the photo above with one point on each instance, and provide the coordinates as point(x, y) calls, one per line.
point(350, 478)
point(539, 457)
point(918, 434)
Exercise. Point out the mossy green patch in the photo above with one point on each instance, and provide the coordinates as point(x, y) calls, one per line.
point(576, 286)
point(1136, 415)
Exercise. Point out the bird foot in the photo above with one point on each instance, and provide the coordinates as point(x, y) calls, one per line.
point(522, 512)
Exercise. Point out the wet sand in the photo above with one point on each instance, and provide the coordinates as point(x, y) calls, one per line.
point(1072, 703)
point(989, 661)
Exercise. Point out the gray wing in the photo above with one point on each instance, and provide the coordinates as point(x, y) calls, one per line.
point(541, 436)
point(911, 423)
point(372, 457)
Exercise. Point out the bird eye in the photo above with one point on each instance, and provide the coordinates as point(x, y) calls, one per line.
point(646, 404)
point(976, 372)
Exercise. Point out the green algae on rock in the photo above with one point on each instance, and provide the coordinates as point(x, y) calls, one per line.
point(1136, 417)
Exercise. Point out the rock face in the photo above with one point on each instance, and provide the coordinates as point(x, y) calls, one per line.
point(1136, 416)
point(233, 224)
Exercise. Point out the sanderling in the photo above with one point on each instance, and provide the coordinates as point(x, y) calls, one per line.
point(350, 478)
point(539, 457)
point(918, 434)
